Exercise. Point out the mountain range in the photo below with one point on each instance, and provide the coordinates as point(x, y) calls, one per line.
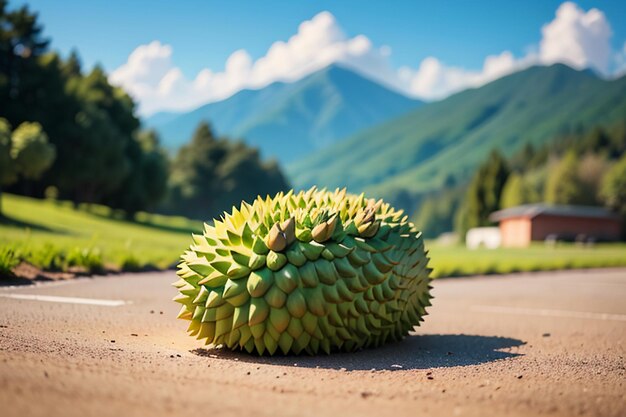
point(289, 121)
point(444, 141)
point(335, 128)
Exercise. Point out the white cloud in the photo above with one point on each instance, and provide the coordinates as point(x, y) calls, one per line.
point(434, 80)
point(146, 65)
point(578, 38)
point(152, 78)
point(575, 37)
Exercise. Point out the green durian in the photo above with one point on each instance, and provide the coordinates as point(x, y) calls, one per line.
point(314, 271)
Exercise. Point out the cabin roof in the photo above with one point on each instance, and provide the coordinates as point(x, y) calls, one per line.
point(534, 210)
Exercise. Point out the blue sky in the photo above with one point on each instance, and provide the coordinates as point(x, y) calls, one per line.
point(204, 34)
point(458, 32)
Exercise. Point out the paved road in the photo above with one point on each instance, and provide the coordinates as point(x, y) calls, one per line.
point(520, 345)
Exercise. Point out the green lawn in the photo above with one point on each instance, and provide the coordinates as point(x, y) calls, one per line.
point(48, 226)
point(42, 231)
point(457, 260)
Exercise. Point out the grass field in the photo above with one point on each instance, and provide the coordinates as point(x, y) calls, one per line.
point(53, 235)
point(40, 227)
point(459, 261)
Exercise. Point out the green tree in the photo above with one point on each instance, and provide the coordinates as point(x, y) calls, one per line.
point(95, 160)
point(195, 163)
point(613, 190)
point(614, 186)
point(21, 43)
point(31, 150)
point(597, 140)
point(26, 152)
point(461, 220)
point(591, 170)
point(525, 158)
point(154, 167)
point(426, 217)
point(436, 213)
point(618, 140)
point(210, 175)
point(514, 191)
point(90, 122)
point(484, 193)
point(535, 184)
point(146, 184)
point(564, 185)
point(8, 169)
point(92, 125)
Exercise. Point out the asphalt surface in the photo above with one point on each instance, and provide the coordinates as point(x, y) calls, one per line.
point(518, 345)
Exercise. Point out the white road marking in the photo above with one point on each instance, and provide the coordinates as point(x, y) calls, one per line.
point(549, 313)
point(70, 300)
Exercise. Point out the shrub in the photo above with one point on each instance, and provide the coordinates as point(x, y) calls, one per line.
point(130, 263)
point(88, 258)
point(48, 258)
point(9, 259)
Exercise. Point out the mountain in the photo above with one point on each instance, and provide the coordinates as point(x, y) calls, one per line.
point(445, 141)
point(290, 120)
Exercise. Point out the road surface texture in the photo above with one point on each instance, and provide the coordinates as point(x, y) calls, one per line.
point(517, 345)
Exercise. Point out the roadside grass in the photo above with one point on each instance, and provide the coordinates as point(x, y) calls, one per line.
point(54, 236)
point(9, 259)
point(449, 261)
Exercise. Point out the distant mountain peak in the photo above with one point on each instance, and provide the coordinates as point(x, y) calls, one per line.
point(557, 70)
point(290, 120)
point(416, 152)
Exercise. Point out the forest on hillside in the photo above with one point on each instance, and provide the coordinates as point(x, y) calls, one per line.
point(67, 133)
point(584, 168)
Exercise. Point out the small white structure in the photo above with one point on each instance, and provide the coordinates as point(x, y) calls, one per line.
point(487, 237)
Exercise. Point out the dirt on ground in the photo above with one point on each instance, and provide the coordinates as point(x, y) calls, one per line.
point(530, 344)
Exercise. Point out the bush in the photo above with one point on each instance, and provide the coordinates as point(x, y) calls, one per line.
point(48, 258)
point(88, 258)
point(130, 263)
point(9, 259)
point(51, 193)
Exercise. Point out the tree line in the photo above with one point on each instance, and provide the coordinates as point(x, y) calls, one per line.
point(210, 174)
point(95, 150)
point(582, 168)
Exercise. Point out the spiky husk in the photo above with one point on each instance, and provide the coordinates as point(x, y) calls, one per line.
point(313, 271)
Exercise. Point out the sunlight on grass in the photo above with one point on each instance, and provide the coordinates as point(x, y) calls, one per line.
point(153, 240)
point(55, 236)
point(458, 260)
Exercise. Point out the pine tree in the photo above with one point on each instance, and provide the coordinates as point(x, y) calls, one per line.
point(8, 169)
point(514, 192)
point(212, 174)
point(564, 185)
point(484, 193)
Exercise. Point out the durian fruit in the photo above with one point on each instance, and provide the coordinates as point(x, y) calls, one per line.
point(307, 272)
